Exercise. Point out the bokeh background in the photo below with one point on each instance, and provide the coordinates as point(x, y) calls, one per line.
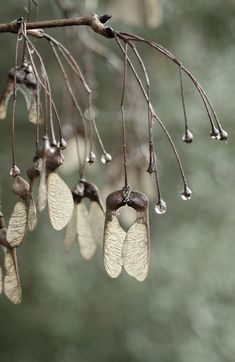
point(185, 310)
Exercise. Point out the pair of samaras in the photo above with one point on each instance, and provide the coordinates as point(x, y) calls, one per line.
point(130, 249)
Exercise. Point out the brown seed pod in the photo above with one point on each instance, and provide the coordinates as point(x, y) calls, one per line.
point(130, 249)
point(20, 187)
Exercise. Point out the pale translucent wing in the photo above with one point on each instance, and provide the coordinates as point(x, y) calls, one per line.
point(42, 188)
point(84, 233)
point(12, 287)
point(71, 231)
point(32, 112)
point(60, 201)
point(27, 93)
point(32, 215)
point(7, 92)
point(17, 224)
point(0, 280)
point(136, 251)
point(114, 237)
point(96, 216)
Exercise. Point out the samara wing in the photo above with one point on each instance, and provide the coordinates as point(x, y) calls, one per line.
point(32, 215)
point(136, 248)
point(7, 92)
point(96, 216)
point(114, 237)
point(11, 282)
point(0, 280)
point(60, 201)
point(42, 188)
point(71, 231)
point(84, 233)
point(17, 224)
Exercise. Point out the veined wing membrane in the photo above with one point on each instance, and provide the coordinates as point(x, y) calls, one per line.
point(71, 231)
point(7, 92)
point(12, 287)
point(136, 250)
point(32, 215)
point(114, 237)
point(17, 224)
point(96, 216)
point(60, 201)
point(84, 233)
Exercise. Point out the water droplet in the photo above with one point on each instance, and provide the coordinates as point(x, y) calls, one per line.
point(63, 144)
point(106, 158)
point(160, 207)
point(187, 137)
point(15, 171)
point(91, 158)
point(186, 194)
point(223, 135)
point(214, 133)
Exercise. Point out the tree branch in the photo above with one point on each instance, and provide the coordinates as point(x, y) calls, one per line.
point(95, 22)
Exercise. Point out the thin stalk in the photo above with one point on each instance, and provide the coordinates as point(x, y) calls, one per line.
point(169, 55)
point(183, 100)
point(14, 97)
point(124, 138)
point(154, 114)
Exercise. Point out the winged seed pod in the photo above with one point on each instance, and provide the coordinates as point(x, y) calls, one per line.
point(24, 214)
point(11, 281)
point(130, 249)
point(52, 188)
point(85, 226)
point(27, 85)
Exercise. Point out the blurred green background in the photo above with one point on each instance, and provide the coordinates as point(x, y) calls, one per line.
point(185, 310)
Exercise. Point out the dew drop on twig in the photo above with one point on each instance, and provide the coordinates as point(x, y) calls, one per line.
point(186, 194)
point(91, 158)
point(106, 158)
point(187, 137)
point(160, 207)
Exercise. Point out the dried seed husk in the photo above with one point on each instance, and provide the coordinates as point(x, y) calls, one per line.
point(21, 187)
point(11, 281)
point(60, 201)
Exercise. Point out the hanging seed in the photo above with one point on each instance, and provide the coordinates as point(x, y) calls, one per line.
point(106, 158)
point(160, 207)
point(91, 158)
point(20, 187)
point(60, 201)
point(54, 158)
point(186, 194)
point(131, 249)
point(17, 224)
point(11, 281)
point(187, 137)
point(15, 171)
